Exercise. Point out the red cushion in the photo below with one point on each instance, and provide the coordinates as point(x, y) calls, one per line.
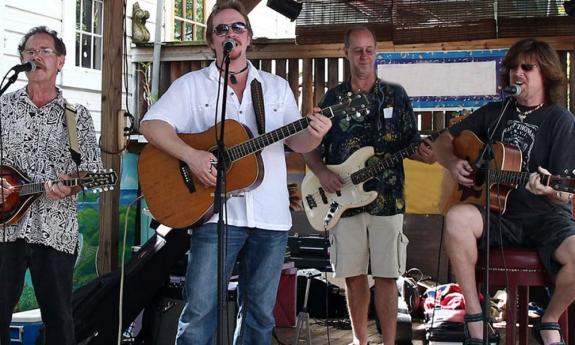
point(515, 258)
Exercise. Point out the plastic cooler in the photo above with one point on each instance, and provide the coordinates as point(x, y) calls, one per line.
point(25, 327)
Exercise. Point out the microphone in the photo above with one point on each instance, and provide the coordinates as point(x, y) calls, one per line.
point(229, 44)
point(512, 90)
point(29, 66)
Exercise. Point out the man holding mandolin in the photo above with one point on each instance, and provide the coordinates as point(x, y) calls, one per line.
point(39, 227)
point(541, 133)
point(258, 218)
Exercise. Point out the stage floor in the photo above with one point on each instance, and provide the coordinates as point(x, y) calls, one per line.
point(340, 336)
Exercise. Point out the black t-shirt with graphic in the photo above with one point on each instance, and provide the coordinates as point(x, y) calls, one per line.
point(546, 138)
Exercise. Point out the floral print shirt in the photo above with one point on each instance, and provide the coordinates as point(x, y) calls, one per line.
point(389, 127)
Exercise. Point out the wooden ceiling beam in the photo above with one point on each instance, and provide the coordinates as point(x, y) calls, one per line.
point(287, 49)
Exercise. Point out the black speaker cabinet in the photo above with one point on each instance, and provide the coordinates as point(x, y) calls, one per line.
point(162, 317)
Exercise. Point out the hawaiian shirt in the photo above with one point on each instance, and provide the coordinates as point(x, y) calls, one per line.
point(389, 127)
point(35, 142)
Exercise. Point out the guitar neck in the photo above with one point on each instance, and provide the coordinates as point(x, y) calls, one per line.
point(515, 177)
point(37, 188)
point(367, 173)
point(259, 143)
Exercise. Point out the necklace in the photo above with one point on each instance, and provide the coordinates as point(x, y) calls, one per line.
point(233, 78)
point(523, 114)
point(360, 90)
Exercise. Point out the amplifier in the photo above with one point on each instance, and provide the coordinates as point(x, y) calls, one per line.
point(310, 252)
point(161, 318)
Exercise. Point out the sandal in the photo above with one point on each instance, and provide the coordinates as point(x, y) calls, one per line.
point(546, 326)
point(493, 336)
point(467, 319)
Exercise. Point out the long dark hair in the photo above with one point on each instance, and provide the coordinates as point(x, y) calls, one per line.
point(547, 60)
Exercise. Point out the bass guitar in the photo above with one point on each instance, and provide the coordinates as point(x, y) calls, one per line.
point(505, 174)
point(323, 210)
point(177, 199)
point(26, 192)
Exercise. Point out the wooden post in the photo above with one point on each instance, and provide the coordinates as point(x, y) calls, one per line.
point(572, 82)
point(111, 105)
point(319, 80)
point(293, 77)
point(307, 87)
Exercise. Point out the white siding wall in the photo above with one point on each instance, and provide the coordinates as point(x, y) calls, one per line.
point(82, 85)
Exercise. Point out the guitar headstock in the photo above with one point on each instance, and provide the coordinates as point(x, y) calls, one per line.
point(563, 183)
point(100, 181)
point(353, 105)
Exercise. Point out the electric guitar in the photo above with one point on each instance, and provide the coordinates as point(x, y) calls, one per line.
point(323, 210)
point(26, 192)
point(174, 195)
point(505, 174)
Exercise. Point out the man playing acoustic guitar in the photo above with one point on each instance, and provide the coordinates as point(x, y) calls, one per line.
point(536, 215)
point(257, 219)
point(373, 233)
point(35, 142)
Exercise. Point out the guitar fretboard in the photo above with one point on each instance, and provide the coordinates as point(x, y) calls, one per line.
point(369, 172)
point(36, 188)
point(259, 143)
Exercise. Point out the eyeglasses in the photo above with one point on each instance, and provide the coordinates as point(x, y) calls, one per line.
point(30, 53)
point(224, 29)
point(527, 67)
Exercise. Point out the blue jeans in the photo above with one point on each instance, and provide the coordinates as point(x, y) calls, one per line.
point(51, 273)
point(261, 260)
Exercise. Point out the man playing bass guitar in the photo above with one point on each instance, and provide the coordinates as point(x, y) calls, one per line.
point(372, 233)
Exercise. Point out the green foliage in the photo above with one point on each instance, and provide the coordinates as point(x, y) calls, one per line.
point(27, 300)
point(85, 271)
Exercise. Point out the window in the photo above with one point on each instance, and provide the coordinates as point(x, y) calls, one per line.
point(89, 21)
point(189, 20)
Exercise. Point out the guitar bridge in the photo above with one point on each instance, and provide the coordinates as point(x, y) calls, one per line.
point(187, 177)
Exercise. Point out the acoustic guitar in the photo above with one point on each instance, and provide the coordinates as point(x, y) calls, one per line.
point(174, 195)
point(26, 192)
point(505, 174)
point(323, 210)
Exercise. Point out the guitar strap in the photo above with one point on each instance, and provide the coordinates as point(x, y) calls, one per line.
point(70, 113)
point(258, 102)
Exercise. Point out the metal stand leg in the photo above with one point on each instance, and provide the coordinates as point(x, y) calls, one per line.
point(303, 316)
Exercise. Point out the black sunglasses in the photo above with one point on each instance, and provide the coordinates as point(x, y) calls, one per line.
point(525, 66)
point(224, 29)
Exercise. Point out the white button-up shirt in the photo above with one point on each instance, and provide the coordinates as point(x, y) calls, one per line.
point(190, 106)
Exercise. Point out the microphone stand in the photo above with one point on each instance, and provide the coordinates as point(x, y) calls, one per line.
point(219, 199)
point(11, 81)
point(483, 162)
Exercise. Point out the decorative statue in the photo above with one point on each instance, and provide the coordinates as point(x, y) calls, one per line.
point(139, 32)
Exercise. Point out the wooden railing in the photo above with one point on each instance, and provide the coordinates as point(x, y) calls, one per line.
point(312, 69)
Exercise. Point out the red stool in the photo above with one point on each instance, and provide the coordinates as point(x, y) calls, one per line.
point(517, 269)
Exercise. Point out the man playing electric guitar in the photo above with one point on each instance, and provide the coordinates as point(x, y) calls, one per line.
point(536, 215)
point(259, 219)
point(373, 232)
